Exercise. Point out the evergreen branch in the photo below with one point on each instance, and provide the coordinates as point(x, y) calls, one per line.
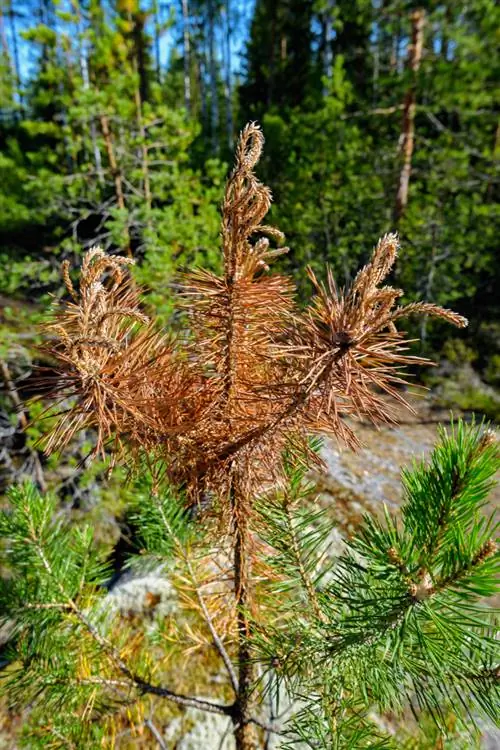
point(215, 636)
point(308, 586)
point(108, 648)
point(208, 619)
point(156, 734)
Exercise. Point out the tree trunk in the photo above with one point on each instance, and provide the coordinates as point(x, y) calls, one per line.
point(15, 52)
point(327, 46)
point(187, 56)
point(144, 149)
point(115, 172)
point(214, 104)
point(408, 127)
point(84, 71)
point(228, 91)
point(243, 731)
point(201, 58)
point(157, 41)
point(376, 63)
point(496, 159)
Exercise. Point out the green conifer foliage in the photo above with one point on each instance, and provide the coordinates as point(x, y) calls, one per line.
point(400, 619)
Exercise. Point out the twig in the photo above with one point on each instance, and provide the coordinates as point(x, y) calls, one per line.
point(311, 593)
point(154, 731)
point(110, 650)
point(23, 422)
point(215, 636)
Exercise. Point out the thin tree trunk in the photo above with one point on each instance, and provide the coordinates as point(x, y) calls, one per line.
point(5, 45)
point(157, 41)
point(84, 70)
point(228, 87)
point(243, 730)
point(115, 172)
point(144, 149)
point(327, 46)
point(139, 51)
point(408, 127)
point(445, 39)
point(15, 51)
point(23, 421)
point(203, 89)
point(93, 130)
point(214, 104)
point(496, 158)
point(376, 63)
point(187, 56)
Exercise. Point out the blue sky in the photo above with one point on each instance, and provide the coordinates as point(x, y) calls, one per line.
point(26, 19)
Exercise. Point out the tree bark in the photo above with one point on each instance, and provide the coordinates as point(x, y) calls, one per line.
point(228, 83)
point(115, 172)
point(214, 104)
point(15, 51)
point(243, 731)
point(157, 41)
point(144, 148)
point(187, 56)
point(327, 46)
point(408, 127)
point(23, 421)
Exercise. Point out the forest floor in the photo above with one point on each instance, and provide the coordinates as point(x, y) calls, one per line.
point(365, 479)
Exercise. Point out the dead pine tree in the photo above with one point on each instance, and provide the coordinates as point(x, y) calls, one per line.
point(256, 377)
point(407, 138)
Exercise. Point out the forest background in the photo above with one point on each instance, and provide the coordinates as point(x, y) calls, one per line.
point(117, 123)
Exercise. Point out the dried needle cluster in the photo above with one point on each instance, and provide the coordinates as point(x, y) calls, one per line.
point(258, 373)
point(113, 363)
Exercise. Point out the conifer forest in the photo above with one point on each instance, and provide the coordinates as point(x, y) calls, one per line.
point(249, 375)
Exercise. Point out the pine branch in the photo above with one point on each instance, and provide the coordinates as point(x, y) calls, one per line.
point(391, 628)
point(308, 586)
point(33, 523)
point(169, 523)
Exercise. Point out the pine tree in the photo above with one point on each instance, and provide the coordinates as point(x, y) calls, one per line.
point(222, 418)
point(282, 78)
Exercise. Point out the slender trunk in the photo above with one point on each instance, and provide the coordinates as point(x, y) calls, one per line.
point(272, 59)
point(428, 288)
point(157, 41)
point(327, 47)
point(228, 84)
point(3, 36)
point(84, 69)
point(15, 52)
point(142, 133)
point(203, 88)
point(496, 159)
point(408, 127)
point(6, 51)
point(376, 63)
point(243, 730)
point(140, 52)
point(393, 62)
point(23, 421)
point(187, 56)
point(115, 172)
point(239, 504)
point(144, 149)
point(214, 104)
